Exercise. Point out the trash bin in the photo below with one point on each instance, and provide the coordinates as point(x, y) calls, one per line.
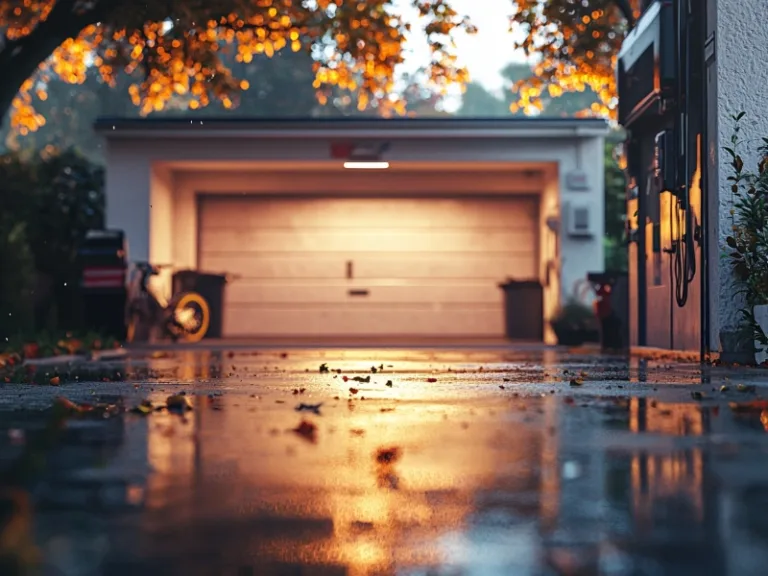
point(210, 287)
point(612, 307)
point(524, 310)
point(103, 257)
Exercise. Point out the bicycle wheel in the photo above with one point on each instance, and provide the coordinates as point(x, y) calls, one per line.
point(191, 315)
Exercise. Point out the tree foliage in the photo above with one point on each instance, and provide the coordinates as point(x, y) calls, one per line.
point(48, 206)
point(575, 45)
point(177, 47)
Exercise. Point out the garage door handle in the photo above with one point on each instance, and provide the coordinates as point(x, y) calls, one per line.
point(358, 292)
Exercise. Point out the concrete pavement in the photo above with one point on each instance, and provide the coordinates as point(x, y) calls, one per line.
point(414, 462)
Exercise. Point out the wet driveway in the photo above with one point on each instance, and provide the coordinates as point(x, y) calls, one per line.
point(385, 462)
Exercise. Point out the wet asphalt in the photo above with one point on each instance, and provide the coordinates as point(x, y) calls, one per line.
point(385, 462)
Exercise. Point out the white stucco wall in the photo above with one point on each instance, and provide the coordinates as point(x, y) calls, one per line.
point(742, 85)
point(154, 201)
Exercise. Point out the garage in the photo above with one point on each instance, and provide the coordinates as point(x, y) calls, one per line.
point(364, 230)
point(362, 266)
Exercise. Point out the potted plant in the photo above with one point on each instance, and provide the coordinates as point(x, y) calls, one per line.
point(748, 242)
point(575, 323)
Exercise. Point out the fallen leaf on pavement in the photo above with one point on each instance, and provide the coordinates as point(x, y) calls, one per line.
point(746, 388)
point(697, 395)
point(362, 380)
point(389, 383)
point(387, 455)
point(306, 430)
point(178, 403)
point(577, 382)
point(431, 380)
point(353, 390)
point(754, 406)
point(144, 408)
point(724, 388)
point(314, 408)
point(55, 381)
point(324, 368)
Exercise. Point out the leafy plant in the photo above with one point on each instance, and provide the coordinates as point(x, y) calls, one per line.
point(748, 243)
point(575, 315)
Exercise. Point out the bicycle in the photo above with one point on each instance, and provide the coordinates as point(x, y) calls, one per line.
point(186, 317)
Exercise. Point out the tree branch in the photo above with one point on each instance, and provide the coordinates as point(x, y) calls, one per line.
point(20, 58)
point(626, 10)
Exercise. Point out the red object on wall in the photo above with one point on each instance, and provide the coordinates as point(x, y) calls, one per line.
point(342, 150)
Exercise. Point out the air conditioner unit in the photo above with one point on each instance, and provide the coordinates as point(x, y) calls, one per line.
point(647, 67)
point(579, 221)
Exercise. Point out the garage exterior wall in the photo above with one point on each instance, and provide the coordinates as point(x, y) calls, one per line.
point(741, 49)
point(130, 182)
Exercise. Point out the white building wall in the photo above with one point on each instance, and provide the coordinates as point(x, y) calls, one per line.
point(742, 85)
point(127, 190)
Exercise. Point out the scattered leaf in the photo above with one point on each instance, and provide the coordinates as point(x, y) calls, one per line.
point(55, 381)
point(724, 388)
point(697, 395)
point(746, 388)
point(387, 455)
point(431, 380)
point(314, 408)
point(362, 380)
point(353, 390)
point(754, 406)
point(577, 382)
point(178, 403)
point(145, 407)
point(324, 368)
point(389, 383)
point(307, 430)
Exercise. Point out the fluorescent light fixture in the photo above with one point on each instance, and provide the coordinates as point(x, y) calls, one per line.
point(366, 165)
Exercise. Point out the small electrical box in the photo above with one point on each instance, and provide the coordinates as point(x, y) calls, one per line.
point(579, 221)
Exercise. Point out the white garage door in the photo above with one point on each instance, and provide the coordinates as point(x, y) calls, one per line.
point(367, 266)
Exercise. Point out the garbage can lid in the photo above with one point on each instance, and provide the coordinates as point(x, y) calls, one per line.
point(510, 282)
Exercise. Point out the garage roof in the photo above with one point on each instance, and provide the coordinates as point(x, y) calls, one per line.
point(351, 126)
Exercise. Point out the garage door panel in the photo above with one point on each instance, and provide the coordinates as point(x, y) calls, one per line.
point(362, 213)
point(431, 266)
point(345, 241)
point(377, 322)
point(301, 267)
point(268, 293)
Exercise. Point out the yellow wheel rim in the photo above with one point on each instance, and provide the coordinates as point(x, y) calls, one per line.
point(195, 298)
point(130, 330)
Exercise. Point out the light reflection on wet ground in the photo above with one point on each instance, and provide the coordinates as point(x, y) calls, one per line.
point(469, 464)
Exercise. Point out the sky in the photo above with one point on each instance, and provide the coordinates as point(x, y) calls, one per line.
point(484, 53)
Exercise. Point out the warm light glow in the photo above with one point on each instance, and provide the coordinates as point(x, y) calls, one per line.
point(366, 165)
